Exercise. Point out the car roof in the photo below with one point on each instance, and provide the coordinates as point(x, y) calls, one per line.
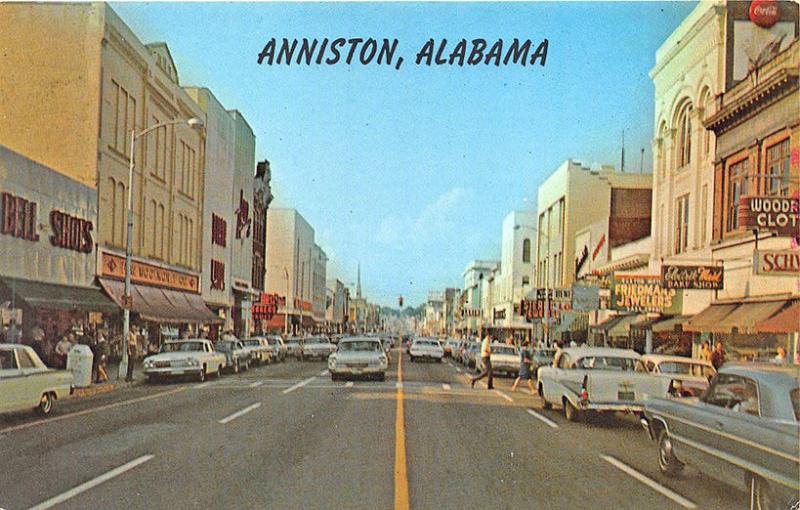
point(360, 339)
point(658, 358)
point(767, 372)
point(579, 352)
point(182, 340)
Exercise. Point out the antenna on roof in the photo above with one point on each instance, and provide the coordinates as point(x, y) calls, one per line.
point(622, 159)
point(641, 163)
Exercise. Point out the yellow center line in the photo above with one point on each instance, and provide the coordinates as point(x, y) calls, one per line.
point(400, 465)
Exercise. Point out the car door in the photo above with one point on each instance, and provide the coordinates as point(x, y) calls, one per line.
point(12, 383)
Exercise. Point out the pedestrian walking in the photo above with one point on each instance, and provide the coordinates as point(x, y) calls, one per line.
point(131, 354)
point(525, 358)
point(718, 356)
point(62, 349)
point(103, 352)
point(486, 359)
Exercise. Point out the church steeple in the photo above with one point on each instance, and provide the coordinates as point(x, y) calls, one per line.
point(358, 282)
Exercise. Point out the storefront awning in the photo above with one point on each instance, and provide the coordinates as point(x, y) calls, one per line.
point(622, 327)
point(608, 323)
point(59, 297)
point(785, 321)
point(670, 324)
point(709, 319)
point(745, 317)
point(163, 305)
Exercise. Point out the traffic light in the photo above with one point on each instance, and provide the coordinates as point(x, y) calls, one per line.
point(400, 301)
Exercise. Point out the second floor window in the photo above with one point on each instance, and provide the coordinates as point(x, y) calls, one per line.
point(681, 224)
point(777, 183)
point(738, 177)
point(685, 136)
point(526, 250)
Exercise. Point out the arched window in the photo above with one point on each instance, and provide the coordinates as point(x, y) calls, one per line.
point(526, 250)
point(685, 135)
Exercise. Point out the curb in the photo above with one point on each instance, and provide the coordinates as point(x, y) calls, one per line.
point(98, 389)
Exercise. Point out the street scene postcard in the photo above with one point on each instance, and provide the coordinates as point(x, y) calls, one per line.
point(400, 255)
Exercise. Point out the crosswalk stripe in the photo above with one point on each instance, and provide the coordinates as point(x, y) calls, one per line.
point(256, 384)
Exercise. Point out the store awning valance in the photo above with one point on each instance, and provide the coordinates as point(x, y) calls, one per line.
point(608, 323)
point(670, 324)
point(785, 321)
point(59, 297)
point(163, 305)
point(622, 327)
point(709, 319)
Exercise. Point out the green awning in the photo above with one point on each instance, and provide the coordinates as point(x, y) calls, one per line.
point(59, 297)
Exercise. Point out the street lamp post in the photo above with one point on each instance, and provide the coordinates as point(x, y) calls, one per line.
point(193, 123)
point(286, 304)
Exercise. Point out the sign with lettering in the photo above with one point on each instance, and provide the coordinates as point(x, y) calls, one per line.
point(71, 233)
point(585, 298)
point(692, 277)
point(777, 263)
point(243, 220)
point(113, 266)
point(778, 214)
point(18, 217)
point(581, 260)
point(644, 293)
point(217, 275)
point(267, 306)
point(500, 314)
point(764, 13)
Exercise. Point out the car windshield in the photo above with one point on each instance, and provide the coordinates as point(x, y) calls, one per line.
point(224, 346)
point(183, 347)
point(361, 345)
point(317, 340)
point(504, 350)
point(684, 368)
point(426, 343)
point(606, 363)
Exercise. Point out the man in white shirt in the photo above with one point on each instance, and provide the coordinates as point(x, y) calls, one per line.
point(486, 358)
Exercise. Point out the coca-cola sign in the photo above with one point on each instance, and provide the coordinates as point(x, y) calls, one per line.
point(764, 13)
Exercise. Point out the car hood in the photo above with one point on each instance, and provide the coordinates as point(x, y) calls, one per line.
point(358, 356)
point(505, 358)
point(165, 356)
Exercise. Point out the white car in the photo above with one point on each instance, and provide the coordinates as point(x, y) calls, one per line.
point(191, 357)
point(277, 348)
point(317, 347)
point(598, 379)
point(260, 351)
point(27, 383)
point(358, 356)
point(426, 349)
point(691, 376)
point(505, 358)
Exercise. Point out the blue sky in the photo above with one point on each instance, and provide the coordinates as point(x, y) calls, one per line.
point(411, 172)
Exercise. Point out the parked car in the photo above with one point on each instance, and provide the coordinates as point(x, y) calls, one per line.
point(191, 357)
point(27, 383)
point(450, 346)
point(426, 349)
point(318, 347)
point(358, 356)
point(743, 431)
point(237, 357)
point(277, 347)
point(293, 346)
point(597, 379)
point(542, 357)
point(505, 359)
point(260, 351)
point(472, 354)
point(690, 375)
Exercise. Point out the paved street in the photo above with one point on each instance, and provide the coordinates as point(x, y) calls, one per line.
point(285, 436)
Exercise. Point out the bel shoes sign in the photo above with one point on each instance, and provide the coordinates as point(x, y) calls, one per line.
point(778, 214)
point(692, 277)
point(777, 263)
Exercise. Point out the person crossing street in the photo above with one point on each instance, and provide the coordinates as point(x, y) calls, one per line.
point(486, 358)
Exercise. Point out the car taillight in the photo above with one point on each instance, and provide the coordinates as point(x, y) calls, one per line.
point(584, 395)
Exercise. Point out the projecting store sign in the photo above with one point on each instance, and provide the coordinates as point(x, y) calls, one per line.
point(644, 293)
point(692, 277)
point(778, 214)
point(777, 263)
point(764, 13)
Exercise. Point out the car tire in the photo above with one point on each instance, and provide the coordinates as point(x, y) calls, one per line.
point(219, 371)
point(667, 462)
point(438, 360)
point(412, 358)
point(571, 413)
point(45, 404)
point(334, 377)
point(545, 403)
point(201, 376)
point(236, 367)
point(247, 365)
point(381, 377)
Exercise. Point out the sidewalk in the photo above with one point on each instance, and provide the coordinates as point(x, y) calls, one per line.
point(113, 383)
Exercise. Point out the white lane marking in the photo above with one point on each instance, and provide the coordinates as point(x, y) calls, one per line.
point(649, 482)
point(446, 387)
point(504, 395)
point(324, 373)
point(201, 385)
point(348, 384)
point(239, 413)
point(398, 384)
point(94, 482)
point(298, 385)
point(256, 384)
point(547, 421)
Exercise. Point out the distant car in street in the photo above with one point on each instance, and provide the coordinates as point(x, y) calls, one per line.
point(358, 356)
point(597, 380)
point(471, 354)
point(426, 349)
point(27, 383)
point(191, 357)
point(743, 431)
point(317, 347)
point(277, 347)
point(293, 346)
point(237, 357)
point(691, 376)
point(505, 359)
point(260, 352)
point(450, 346)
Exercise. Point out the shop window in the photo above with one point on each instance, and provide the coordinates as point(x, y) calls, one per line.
point(777, 178)
point(685, 136)
point(681, 224)
point(737, 186)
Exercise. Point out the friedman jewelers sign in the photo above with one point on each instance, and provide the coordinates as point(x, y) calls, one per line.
point(778, 214)
point(644, 293)
point(692, 277)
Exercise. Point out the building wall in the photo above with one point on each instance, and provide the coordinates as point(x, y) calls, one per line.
point(50, 84)
point(473, 275)
point(242, 199)
point(319, 276)
point(289, 243)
